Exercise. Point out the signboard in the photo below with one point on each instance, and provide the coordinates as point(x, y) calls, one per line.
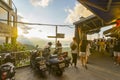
point(59, 35)
point(51, 36)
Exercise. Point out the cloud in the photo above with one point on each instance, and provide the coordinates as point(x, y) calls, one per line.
point(42, 3)
point(25, 28)
point(40, 30)
point(75, 14)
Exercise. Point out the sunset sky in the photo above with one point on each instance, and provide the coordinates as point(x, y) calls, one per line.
point(49, 12)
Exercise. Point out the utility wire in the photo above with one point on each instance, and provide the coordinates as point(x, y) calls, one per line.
point(27, 23)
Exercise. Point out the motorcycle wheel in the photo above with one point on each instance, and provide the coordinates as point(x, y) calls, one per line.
point(59, 73)
point(43, 74)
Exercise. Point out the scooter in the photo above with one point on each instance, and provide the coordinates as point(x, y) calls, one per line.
point(64, 55)
point(38, 64)
point(7, 71)
point(56, 65)
point(66, 58)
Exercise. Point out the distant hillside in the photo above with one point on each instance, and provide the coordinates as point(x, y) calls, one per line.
point(31, 41)
point(29, 47)
point(24, 40)
point(39, 41)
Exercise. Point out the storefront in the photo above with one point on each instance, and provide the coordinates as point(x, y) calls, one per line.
point(106, 12)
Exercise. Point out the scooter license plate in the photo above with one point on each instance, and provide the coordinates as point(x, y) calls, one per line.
point(61, 65)
point(42, 67)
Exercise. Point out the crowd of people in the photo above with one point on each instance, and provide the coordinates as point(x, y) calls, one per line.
point(110, 46)
point(102, 46)
point(85, 47)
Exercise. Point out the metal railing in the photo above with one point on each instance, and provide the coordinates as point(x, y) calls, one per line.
point(22, 58)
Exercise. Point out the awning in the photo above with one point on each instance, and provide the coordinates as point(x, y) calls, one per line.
point(107, 10)
point(113, 32)
point(90, 25)
point(109, 30)
point(111, 35)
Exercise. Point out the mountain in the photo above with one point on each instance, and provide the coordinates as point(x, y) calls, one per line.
point(41, 42)
point(31, 41)
point(24, 40)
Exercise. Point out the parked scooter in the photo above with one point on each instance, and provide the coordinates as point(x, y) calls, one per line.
point(56, 65)
point(64, 55)
point(38, 63)
point(58, 62)
point(66, 58)
point(7, 70)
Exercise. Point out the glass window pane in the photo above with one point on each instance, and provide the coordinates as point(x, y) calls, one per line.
point(12, 19)
point(2, 40)
point(3, 15)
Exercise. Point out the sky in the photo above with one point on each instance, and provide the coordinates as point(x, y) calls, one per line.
point(49, 12)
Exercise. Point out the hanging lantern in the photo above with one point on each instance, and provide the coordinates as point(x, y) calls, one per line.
point(118, 23)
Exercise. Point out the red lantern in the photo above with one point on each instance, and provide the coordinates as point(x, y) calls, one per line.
point(118, 23)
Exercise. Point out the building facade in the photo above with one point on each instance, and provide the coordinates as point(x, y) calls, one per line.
point(8, 19)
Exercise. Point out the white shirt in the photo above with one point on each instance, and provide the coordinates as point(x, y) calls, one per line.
point(76, 50)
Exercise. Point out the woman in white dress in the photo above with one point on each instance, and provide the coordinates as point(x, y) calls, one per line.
point(88, 51)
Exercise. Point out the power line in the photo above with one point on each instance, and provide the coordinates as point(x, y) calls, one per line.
point(27, 23)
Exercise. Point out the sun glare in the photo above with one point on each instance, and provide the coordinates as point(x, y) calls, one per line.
point(20, 32)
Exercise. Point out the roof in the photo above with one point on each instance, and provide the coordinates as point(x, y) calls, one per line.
point(91, 24)
point(112, 31)
point(107, 10)
point(82, 19)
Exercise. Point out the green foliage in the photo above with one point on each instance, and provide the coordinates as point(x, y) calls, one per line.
point(6, 47)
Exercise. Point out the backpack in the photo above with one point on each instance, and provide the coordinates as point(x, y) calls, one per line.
point(73, 46)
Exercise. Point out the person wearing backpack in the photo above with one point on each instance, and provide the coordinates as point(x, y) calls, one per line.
point(74, 51)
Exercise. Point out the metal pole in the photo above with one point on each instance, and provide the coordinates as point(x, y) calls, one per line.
point(56, 36)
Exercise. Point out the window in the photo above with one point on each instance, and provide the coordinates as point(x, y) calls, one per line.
point(3, 15)
point(12, 19)
point(2, 40)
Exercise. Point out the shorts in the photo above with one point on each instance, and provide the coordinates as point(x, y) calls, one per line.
point(116, 53)
point(82, 54)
